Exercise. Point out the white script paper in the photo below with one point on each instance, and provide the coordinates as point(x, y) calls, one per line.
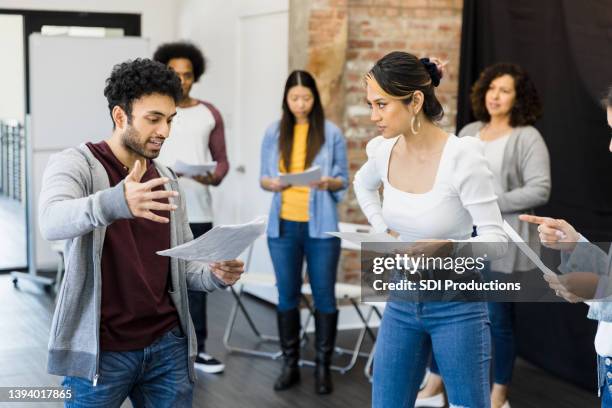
point(194, 169)
point(303, 178)
point(526, 249)
point(222, 243)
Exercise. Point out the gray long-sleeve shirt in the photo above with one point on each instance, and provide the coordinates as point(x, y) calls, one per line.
point(76, 204)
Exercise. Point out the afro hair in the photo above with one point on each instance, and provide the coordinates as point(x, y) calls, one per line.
point(182, 49)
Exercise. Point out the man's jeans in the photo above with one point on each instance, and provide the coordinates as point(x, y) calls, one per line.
point(156, 376)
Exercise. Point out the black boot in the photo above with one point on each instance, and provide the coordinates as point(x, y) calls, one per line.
point(289, 334)
point(325, 339)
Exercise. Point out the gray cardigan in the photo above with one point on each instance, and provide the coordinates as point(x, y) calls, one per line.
point(76, 205)
point(526, 185)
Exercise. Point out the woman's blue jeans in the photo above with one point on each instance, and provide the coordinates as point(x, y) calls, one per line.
point(501, 315)
point(458, 335)
point(288, 252)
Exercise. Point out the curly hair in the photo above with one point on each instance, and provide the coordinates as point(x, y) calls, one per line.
point(132, 80)
point(182, 49)
point(527, 107)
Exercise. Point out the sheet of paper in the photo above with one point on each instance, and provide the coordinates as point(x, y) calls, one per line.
point(526, 249)
point(221, 243)
point(194, 169)
point(303, 178)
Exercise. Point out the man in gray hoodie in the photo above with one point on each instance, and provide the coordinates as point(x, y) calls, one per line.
point(121, 327)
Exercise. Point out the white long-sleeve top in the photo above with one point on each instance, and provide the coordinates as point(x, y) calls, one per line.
point(462, 196)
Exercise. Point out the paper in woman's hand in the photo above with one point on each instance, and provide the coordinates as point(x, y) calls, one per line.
point(301, 179)
point(222, 243)
point(526, 249)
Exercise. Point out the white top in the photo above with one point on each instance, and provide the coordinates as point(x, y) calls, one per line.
point(462, 196)
point(603, 339)
point(188, 142)
point(494, 153)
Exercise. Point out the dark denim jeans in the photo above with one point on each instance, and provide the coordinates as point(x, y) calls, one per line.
point(322, 255)
point(197, 299)
point(604, 366)
point(156, 376)
point(459, 336)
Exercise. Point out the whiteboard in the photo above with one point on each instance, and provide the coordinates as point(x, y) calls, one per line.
point(67, 108)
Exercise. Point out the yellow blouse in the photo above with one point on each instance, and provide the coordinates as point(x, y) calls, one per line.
point(294, 200)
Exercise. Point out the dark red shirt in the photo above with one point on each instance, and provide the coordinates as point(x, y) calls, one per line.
point(136, 306)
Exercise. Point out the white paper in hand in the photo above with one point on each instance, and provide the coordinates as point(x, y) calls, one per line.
point(222, 243)
point(194, 169)
point(303, 178)
point(526, 249)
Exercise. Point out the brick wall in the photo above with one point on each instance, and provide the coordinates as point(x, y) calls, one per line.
point(373, 28)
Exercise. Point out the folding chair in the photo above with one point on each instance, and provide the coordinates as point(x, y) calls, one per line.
point(376, 308)
point(254, 279)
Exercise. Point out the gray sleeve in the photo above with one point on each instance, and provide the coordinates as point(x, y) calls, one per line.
point(65, 210)
point(586, 257)
point(534, 164)
point(470, 129)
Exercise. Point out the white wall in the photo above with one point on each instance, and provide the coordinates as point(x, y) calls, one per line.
point(12, 86)
point(158, 21)
point(213, 26)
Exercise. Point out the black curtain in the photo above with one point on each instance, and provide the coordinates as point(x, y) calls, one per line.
point(566, 46)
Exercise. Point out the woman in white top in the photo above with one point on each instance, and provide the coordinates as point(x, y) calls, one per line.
point(506, 104)
point(586, 275)
point(436, 187)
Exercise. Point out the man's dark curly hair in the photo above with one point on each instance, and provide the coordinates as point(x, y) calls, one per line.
point(132, 80)
point(182, 49)
point(527, 107)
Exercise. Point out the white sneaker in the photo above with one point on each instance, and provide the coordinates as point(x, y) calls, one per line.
point(435, 401)
point(208, 364)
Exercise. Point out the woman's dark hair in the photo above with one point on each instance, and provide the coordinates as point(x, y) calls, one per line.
point(182, 49)
point(132, 80)
point(527, 107)
point(399, 74)
point(316, 120)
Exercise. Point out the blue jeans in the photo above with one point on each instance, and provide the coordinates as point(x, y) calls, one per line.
point(322, 255)
point(501, 315)
point(458, 335)
point(605, 374)
point(154, 376)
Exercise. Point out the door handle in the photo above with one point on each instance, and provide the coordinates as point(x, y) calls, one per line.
point(241, 169)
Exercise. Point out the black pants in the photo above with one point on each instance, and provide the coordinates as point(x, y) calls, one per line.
point(197, 299)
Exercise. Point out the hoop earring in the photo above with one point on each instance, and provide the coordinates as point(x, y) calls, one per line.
point(418, 123)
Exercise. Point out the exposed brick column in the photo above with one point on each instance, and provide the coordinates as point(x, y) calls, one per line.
point(346, 37)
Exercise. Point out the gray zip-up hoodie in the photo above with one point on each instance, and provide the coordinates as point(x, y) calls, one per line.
point(76, 205)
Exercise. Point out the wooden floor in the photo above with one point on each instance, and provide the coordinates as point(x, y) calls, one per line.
point(13, 250)
point(247, 382)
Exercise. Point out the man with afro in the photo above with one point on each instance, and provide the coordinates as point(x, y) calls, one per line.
point(197, 138)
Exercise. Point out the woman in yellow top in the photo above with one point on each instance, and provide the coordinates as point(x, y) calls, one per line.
point(299, 218)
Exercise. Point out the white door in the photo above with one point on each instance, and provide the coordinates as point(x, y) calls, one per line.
point(262, 70)
point(67, 107)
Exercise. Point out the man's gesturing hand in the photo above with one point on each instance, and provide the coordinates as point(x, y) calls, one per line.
point(140, 197)
point(228, 271)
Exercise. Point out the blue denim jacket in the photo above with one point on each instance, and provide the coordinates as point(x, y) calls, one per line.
point(322, 205)
point(587, 257)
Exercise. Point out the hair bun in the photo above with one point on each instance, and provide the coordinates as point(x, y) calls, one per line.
point(435, 69)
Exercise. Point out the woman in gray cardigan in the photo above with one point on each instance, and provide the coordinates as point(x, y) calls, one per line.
point(506, 104)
